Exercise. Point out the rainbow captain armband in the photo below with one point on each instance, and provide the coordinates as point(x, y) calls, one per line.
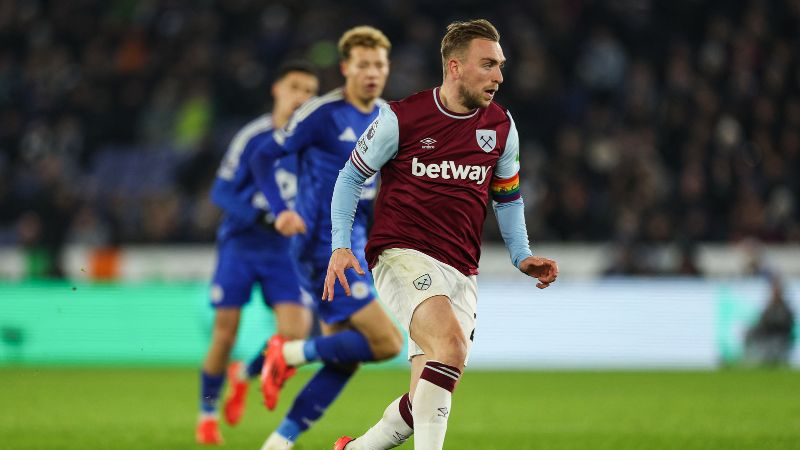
point(505, 189)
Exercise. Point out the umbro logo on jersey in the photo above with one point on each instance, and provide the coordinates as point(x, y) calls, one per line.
point(487, 139)
point(423, 283)
point(427, 143)
point(348, 135)
point(449, 169)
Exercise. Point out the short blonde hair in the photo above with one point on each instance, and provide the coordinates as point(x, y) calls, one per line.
point(362, 36)
point(460, 34)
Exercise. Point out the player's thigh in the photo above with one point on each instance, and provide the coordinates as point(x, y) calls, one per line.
point(373, 322)
point(435, 328)
point(234, 277)
point(465, 305)
point(405, 279)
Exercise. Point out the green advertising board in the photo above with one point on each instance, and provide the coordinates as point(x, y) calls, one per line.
point(132, 323)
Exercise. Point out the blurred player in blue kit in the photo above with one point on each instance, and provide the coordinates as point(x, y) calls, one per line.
point(251, 252)
point(355, 328)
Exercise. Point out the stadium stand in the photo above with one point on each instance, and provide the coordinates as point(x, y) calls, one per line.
point(642, 122)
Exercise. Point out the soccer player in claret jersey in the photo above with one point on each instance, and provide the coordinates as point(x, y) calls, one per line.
point(250, 251)
point(440, 153)
point(355, 328)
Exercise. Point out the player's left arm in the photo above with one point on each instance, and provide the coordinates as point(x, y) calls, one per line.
point(510, 212)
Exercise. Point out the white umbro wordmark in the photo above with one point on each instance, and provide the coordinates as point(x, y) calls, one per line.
point(449, 169)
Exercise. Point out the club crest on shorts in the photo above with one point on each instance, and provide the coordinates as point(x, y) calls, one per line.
point(217, 293)
point(423, 283)
point(359, 290)
point(487, 139)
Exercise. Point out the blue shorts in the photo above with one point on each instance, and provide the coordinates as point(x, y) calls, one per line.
point(312, 279)
point(237, 271)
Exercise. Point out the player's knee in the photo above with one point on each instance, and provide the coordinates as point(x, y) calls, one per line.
point(453, 351)
point(294, 331)
point(225, 328)
point(294, 322)
point(394, 344)
point(388, 345)
point(293, 335)
point(397, 341)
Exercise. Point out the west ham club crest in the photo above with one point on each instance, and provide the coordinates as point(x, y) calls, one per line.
point(487, 139)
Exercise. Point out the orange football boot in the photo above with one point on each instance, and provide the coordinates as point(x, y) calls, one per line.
point(342, 442)
point(234, 404)
point(207, 432)
point(275, 371)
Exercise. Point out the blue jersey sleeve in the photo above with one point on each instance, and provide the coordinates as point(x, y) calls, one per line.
point(223, 194)
point(511, 220)
point(508, 164)
point(224, 191)
point(507, 200)
point(297, 135)
point(376, 146)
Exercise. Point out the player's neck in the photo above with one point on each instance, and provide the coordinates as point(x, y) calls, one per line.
point(448, 95)
point(365, 107)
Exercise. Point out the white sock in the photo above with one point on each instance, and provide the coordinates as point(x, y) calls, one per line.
point(209, 415)
point(431, 405)
point(391, 431)
point(277, 442)
point(293, 353)
point(242, 372)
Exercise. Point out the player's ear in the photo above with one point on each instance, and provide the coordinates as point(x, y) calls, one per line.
point(343, 68)
point(454, 68)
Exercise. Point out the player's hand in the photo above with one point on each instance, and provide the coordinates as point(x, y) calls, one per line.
point(341, 260)
point(543, 269)
point(288, 223)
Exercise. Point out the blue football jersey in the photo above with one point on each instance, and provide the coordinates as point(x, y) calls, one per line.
point(322, 133)
point(235, 190)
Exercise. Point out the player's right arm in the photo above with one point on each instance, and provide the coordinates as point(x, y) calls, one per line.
point(223, 194)
point(297, 135)
point(377, 145)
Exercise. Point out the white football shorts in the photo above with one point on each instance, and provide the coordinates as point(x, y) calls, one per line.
point(405, 278)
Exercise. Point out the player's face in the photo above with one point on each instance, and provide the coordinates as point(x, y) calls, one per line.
point(481, 73)
point(365, 72)
point(293, 90)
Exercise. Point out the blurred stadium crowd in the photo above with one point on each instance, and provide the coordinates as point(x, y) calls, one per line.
point(641, 121)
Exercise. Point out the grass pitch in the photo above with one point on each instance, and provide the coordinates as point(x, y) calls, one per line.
point(111, 408)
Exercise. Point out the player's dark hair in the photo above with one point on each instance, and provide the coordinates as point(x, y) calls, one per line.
point(362, 36)
point(296, 65)
point(460, 34)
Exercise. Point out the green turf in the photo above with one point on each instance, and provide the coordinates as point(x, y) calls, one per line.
point(156, 409)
